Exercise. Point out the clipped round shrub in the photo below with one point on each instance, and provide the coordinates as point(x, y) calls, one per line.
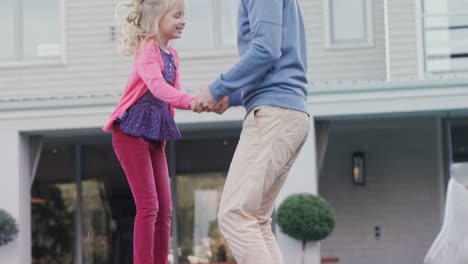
point(8, 228)
point(306, 217)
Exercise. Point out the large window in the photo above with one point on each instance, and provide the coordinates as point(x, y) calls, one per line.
point(348, 23)
point(199, 185)
point(30, 30)
point(446, 35)
point(53, 207)
point(82, 209)
point(210, 24)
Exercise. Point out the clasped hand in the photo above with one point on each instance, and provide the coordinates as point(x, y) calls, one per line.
point(204, 102)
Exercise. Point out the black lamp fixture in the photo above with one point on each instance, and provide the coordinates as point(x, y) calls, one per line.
point(359, 168)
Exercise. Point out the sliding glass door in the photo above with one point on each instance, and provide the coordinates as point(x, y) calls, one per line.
point(83, 209)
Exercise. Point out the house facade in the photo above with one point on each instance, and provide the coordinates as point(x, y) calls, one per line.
point(388, 84)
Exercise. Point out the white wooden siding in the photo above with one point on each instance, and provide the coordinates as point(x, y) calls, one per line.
point(402, 195)
point(345, 64)
point(93, 65)
point(91, 58)
point(402, 40)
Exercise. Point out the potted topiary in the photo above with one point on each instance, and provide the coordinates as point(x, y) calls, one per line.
point(306, 217)
point(8, 228)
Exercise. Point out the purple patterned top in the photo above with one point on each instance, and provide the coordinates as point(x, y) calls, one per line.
point(149, 117)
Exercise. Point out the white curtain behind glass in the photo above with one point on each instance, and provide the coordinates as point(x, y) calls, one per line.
point(41, 28)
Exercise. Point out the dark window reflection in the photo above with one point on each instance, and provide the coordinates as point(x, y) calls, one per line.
point(202, 166)
point(53, 207)
point(108, 208)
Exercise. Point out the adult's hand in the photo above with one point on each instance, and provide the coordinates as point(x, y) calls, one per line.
point(222, 105)
point(205, 101)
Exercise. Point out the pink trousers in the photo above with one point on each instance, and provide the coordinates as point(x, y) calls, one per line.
point(144, 163)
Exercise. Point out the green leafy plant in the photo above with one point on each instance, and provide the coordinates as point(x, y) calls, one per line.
point(306, 217)
point(8, 228)
point(52, 228)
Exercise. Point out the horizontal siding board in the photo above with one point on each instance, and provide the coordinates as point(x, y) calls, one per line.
point(326, 65)
point(402, 39)
point(401, 196)
point(92, 58)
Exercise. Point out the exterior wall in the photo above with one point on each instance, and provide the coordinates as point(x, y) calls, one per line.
point(91, 60)
point(92, 64)
point(15, 189)
point(302, 179)
point(343, 64)
point(75, 119)
point(15, 181)
point(197, 72)
point(93, 68)
point(402, 40)
point(402, 195)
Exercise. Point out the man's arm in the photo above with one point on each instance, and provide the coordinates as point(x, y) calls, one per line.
point(235, 98)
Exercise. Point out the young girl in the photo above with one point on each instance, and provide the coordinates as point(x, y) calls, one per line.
point(143, 120)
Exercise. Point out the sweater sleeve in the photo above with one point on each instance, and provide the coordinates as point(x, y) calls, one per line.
point(235, 99)
point(265, 19)
point(149, 70)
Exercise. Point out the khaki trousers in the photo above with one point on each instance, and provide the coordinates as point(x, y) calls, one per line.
point(270, 142)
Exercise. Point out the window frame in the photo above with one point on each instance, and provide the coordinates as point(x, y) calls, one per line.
point(366, 42)
point(448, 56)
point(218, 49)
point(19, 60)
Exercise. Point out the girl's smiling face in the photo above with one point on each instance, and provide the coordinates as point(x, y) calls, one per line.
point(173, 23)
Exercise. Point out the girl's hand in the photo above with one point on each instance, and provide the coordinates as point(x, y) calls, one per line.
point(193, 104)
point(205, 101)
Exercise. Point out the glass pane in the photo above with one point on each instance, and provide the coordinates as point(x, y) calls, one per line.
point(457, 5)
point(200, 182)
point(41, 28)
point(229, 22)
point(348, 21)
point(7, 29)
point(445, 6)
point(435, 6)
point(198, 32)
point(198, 197)
point(446, 43)
point(459, 146)
point(53, 199)
point(108, 208)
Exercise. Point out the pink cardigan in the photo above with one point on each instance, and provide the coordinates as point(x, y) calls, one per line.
point(146, 75)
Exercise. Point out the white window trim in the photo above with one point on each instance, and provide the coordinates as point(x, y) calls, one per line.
point(436, 73)
point(211, 52)
point(18, 61)
point(420, 42)
point(368, 42)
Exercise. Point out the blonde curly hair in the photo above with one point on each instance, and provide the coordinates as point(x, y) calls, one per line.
point(141, 23)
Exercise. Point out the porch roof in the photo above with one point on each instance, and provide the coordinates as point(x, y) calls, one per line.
point(327, 100)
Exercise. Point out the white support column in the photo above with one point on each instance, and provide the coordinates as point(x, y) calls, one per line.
point(388, 64)
point(15, 195)
point(303, 178)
